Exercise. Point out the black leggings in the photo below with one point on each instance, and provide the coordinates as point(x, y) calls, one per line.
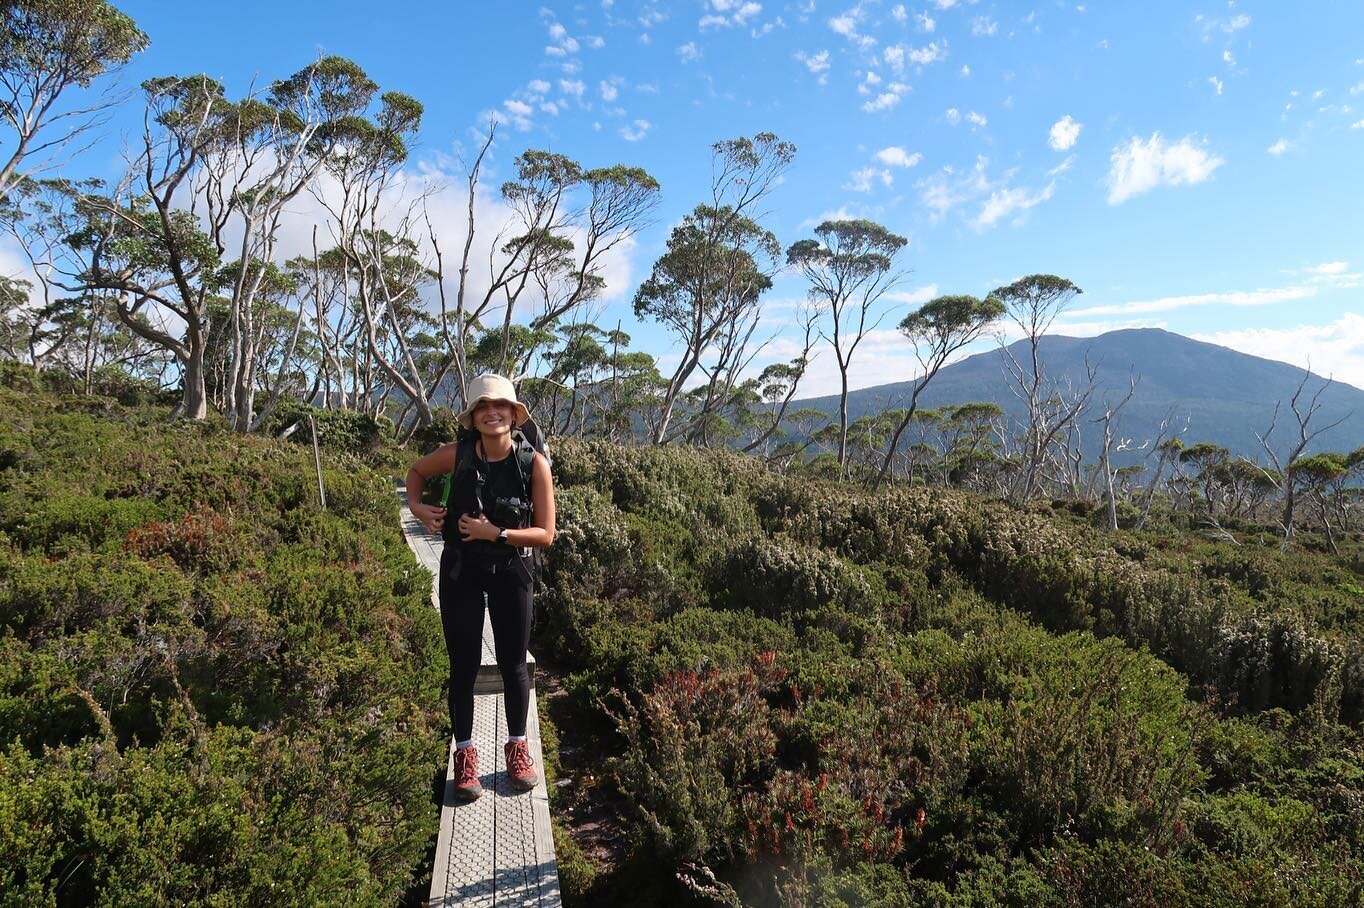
point(461, 616)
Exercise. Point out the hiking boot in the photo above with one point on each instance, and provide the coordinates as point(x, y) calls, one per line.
point(467, 787)
point(520, 767)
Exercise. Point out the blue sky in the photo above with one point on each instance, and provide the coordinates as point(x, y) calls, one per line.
point(1192, 166)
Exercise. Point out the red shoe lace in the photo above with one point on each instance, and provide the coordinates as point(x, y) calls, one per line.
point(466, 766)
point(518, 759)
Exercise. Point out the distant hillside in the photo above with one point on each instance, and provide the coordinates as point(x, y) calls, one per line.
point(1225, 396)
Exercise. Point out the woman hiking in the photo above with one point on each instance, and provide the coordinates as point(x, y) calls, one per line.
point(499, 510)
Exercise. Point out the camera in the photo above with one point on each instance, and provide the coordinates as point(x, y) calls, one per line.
point(509, 512)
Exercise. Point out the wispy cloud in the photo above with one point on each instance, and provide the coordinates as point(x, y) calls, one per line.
point(886, 99)
point(984, 27)
point(898, 56)
point(689, 52)
point(818, 64)
point(865, 178)
point(1335, 349)
point(727, 13)
point(635, 131)
point(1005, 202)
point(1261, 297)
point(849, 23)
point(1140, 166)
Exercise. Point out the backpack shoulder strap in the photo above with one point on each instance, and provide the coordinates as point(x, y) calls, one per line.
point(525, 458)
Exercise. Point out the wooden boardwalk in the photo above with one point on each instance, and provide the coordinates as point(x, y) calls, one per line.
point(497, 850)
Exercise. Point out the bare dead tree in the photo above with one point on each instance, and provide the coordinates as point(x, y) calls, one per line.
point(1304, 411)
point(1109, 420)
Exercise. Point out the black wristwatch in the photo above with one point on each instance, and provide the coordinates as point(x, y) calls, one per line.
point(502, 537)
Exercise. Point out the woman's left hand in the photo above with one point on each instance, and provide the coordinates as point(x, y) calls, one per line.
point(471, 528)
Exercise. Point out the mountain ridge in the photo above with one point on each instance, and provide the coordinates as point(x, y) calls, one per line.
point(1224, 395)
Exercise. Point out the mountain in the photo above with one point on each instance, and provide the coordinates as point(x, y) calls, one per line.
point(1224, 396)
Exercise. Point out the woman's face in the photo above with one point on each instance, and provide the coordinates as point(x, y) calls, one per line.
point(492, 417)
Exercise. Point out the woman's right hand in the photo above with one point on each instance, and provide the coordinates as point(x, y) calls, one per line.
point(431, 516)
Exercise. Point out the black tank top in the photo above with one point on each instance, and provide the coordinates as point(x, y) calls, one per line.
point(503, 480)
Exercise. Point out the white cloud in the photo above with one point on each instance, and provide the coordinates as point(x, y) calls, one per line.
point(925, 22)
point(945, 190)
point(689, 52)
point(1357, 88)
point(1064, 133)
point(609, 90)
point(1335, 349)
point(1061, 168)
point(845, 25)
point(1262, 297)
point(1004, 202)
point(1228, 58)
point(637, 131)
point(539, 86)
point(863, 179)
point(871, 80)
point(1279, 147)
point(966, 69)
point(574, 87)
point(1140, 166)
point(895, 156)
point(984, 26)
point(1332, 274)
point(515, 112)
point(816, 63)
point(955, 116)
point(916, 297)
point(944, 4)
point(899, 13)
point(886, 99)
point(848, 24)
point(1216, 84)
point(726, 13)
point(1358, 124)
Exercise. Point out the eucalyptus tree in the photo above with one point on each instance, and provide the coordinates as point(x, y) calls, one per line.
point(1033, 303)
point(778, 382)
point(48, 48)
point(42, 319)
point(213, 176)
point(969, 431)
point(1108, 420)
point(380, 276)
point(706, 288)
point(1207, 461)
point(1166, 448)
point(850, 268)
point(938, 329)
point(1321, 478)
point(1284, 468)
point(548, 257)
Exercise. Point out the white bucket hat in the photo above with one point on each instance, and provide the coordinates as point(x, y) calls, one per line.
point(491, 387)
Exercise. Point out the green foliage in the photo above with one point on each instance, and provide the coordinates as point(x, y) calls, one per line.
point(211, 691)
point(825, 696)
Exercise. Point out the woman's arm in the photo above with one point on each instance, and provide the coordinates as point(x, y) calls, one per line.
point(441, 460)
